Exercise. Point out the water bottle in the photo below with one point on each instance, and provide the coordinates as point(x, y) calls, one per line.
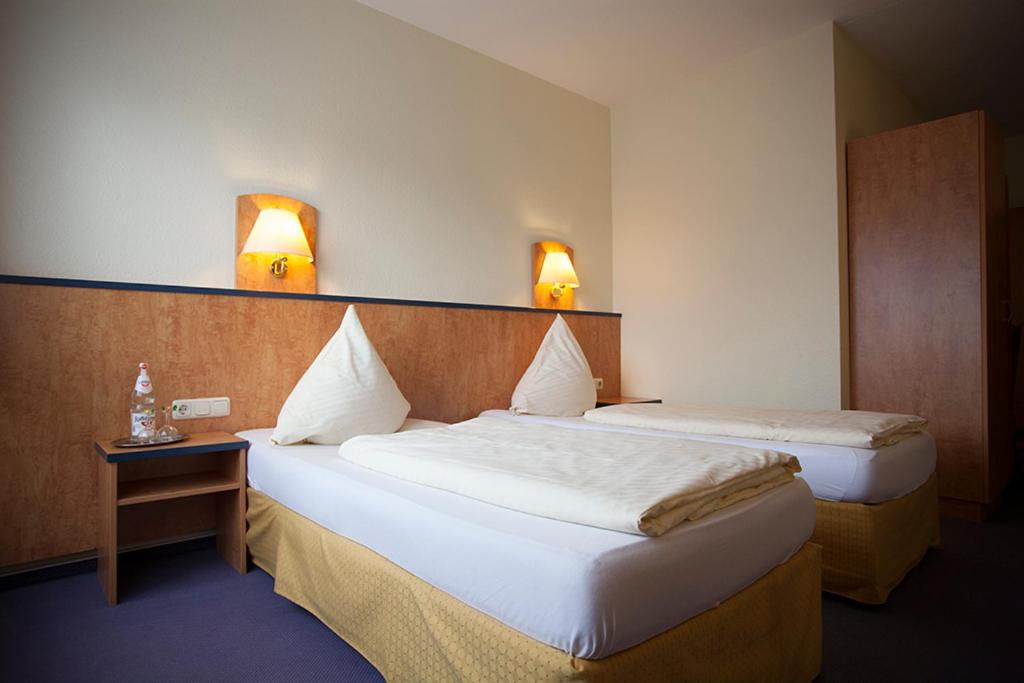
point(143, 407)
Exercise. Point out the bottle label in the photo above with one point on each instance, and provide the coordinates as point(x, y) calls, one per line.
point(143, 386)
point(143, 422)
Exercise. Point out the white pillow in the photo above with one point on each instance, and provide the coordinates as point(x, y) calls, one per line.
point(558, 381)
point(347, 391)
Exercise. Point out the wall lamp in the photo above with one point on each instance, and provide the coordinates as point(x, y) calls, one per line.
point(275, 236)
point(278, 232)
point(558, 272)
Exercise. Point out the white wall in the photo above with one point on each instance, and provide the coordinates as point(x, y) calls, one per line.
point(128, 128)
point(729, 214)
point(726, 235)
point(867, 102)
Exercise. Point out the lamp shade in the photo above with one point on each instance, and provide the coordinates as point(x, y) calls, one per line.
point(277, 231)
point(557, 269)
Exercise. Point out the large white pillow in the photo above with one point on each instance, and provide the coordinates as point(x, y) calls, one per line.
point(558, 381)
point(347, 391)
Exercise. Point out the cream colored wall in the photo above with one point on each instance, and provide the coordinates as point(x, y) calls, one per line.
point(725, 232)
point(867, 102)
point(728, 190)
point(1015, 169)
point(128, 128)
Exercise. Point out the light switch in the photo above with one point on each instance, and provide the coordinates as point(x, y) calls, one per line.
point(196, 408)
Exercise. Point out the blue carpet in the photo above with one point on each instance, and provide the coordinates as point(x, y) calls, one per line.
point(185, 617)
point(959, 616)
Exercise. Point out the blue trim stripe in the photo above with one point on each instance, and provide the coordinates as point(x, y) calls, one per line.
point(214, 291)
point(128, 455)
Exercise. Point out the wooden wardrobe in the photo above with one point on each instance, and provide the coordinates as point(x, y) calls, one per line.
point(929, 296)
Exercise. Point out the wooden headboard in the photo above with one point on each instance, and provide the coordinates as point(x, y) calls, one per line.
point(69, 352)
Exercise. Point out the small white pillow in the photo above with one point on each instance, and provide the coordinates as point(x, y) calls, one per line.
point(347, 391)
point(558, 381)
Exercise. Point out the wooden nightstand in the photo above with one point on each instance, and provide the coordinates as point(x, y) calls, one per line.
point(126, 481)
point(622, 400)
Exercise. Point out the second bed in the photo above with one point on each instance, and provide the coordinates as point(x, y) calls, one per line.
point(877, 509)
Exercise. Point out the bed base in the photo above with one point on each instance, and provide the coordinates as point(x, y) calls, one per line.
point(867, 550)
point(412, 631)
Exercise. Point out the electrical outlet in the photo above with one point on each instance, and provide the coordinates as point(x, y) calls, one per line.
point(599, 383)
point(198, 408)
point(181, 410)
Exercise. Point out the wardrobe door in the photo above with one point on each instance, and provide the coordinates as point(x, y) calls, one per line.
point(916, 288)
point(998, 333)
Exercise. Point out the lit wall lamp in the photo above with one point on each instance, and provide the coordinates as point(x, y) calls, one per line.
point(558, 272)
point(554, 277)
point(275, 244)
point(278, 232)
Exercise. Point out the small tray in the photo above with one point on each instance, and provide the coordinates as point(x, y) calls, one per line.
point(128, 442)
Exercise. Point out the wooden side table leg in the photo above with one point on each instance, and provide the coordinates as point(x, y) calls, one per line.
point(231, 513)
point(106, 533)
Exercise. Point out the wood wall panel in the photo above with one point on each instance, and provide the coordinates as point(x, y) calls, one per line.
point(69, 355)
point(914, 201)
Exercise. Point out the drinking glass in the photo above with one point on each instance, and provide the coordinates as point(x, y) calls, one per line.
point(168, 432)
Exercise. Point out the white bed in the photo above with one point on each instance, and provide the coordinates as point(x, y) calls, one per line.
point(588, 591)
point(836, 473)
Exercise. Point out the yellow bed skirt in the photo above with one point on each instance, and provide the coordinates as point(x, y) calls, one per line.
point(868, 549)
point(411, 631)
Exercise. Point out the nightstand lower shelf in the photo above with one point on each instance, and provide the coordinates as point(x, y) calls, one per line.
point(175, 486)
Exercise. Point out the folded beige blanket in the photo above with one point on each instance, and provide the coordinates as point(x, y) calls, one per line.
point(624, 482)
point(856, 428)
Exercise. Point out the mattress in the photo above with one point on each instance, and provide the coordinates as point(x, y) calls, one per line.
point(835, 473)
point(587, 591)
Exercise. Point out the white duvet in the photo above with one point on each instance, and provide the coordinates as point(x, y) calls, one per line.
point(623, 482)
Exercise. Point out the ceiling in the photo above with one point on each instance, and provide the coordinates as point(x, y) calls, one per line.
point(949, 55)
point(610, 50)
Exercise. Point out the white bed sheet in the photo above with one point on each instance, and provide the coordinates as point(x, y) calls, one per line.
point(837, 473)
point(588, 591)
